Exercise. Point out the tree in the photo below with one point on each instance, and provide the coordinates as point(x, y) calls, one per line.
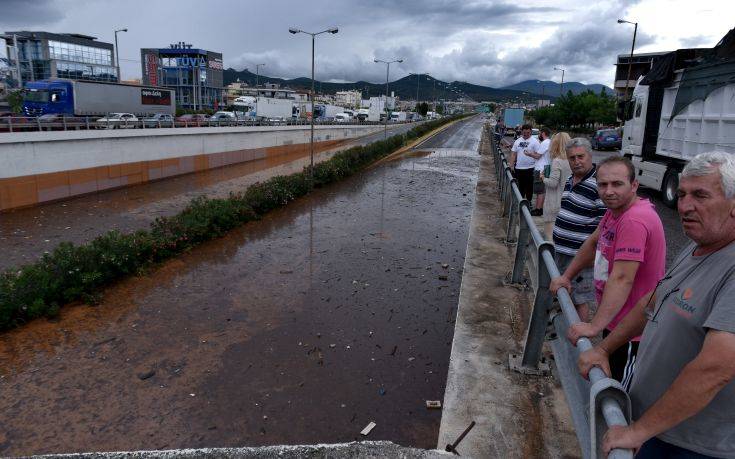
point(584, 111)
point(15, 100)
point(422, 108)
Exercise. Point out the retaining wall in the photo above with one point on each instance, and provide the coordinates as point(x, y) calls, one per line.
point(37, 167)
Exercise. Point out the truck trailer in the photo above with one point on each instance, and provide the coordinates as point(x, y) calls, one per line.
point(684, 106)
point(513, 117)
point(88, 98)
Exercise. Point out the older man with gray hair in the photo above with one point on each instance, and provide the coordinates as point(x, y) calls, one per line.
point(682, 390)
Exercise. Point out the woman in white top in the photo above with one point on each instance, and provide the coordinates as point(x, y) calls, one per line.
point(554, 183)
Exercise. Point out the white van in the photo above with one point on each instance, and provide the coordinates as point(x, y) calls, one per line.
point(342, 118)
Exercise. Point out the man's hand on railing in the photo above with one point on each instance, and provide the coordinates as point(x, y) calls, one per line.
point(559, 282)
point(595, 357)
point(623, 437)
point(581, 329)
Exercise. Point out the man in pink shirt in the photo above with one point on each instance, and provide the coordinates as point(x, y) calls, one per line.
point(628, 252)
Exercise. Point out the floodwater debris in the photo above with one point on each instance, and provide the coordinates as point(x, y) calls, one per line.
point(433, 404)
point(146, 374)
point(368, 428)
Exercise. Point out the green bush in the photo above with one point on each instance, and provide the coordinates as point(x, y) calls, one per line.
point(77, 272)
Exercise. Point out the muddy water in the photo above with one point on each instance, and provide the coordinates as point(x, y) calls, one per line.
point(301, 328)
point(25, 234)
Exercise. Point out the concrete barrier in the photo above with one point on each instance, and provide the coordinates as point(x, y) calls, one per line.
point(38, 167)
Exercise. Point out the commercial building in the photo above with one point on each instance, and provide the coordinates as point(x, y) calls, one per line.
point(195, 74)
point(349, 99)
point(42, 55)
point(640, 65)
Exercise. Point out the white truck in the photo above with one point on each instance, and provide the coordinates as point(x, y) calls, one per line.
point(685, 105)
point(327, 111)
point(398, 116)
point(272, 108)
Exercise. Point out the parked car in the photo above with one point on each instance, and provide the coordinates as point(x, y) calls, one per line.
point(159, 120)
point(194, 119)
point(223, 118)
point(607, 139)
point(118, 121)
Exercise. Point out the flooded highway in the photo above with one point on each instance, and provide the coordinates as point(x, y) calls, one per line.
point(25, 234)
point(330, 313)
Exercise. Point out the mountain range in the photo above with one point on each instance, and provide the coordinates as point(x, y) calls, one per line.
point(429, 88)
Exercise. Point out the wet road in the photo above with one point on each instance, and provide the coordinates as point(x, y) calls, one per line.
point(25, 234)
point(330, 313)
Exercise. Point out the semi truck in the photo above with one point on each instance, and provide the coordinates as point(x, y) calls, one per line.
point(684, 106)
point(88, 98)
point(327, 111)
point(513, 117)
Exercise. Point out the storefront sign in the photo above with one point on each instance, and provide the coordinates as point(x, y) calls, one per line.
point(151, 69)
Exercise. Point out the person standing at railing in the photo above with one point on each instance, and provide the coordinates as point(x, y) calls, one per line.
point(541, 155)
point(558, 173)
point(580, 212)
point(522, 163)
point(683, 393)
point(628, 252)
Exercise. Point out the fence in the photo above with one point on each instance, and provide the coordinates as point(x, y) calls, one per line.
point(75, 123)
point(595, 404)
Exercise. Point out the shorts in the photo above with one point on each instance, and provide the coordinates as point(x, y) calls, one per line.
point(583, 285)
point(622, 361)
point(538, 184)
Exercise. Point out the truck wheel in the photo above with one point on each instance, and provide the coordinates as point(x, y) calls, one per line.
point(669, 188)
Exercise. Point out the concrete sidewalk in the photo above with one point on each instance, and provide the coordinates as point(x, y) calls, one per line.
point(516, 415)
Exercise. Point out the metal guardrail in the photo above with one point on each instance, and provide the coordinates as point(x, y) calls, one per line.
point(33, 124)
point(597, 404)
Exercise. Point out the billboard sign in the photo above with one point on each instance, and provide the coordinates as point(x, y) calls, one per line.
point(151, 69)
point(215, 63)
point(155, 97)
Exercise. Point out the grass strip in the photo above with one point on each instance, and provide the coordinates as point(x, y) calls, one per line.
point(78, 272)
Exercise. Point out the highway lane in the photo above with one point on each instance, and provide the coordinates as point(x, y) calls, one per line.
point(300, 328)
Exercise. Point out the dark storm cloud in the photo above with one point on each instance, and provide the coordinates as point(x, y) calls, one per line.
point(27, 13)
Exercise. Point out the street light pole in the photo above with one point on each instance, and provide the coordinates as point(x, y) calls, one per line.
point(117, 53)
point(561, 86)
point(387, 76)
point(632, 48)
point(257, 74)
point(311, 142)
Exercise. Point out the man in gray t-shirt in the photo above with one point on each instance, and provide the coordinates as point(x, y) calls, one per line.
point(683, 388)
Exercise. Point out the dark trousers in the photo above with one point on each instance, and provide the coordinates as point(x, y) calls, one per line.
point(657, 449)
point(622, 362)
point(525, 182)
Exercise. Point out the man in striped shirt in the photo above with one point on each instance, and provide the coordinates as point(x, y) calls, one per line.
point(580, 212)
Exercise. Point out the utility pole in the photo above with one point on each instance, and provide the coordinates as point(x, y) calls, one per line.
point(387, 76)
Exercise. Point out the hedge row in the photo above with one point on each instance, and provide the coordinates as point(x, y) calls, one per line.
point(78, 272)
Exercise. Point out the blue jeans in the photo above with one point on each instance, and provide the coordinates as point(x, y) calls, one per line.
point(657, 449)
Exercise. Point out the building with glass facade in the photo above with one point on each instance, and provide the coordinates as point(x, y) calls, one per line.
point(195, 74)
point(43, 55)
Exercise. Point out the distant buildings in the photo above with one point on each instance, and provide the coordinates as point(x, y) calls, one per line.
point(42, 55)
point(640, 65)
point(195, 74)
point(350, 99)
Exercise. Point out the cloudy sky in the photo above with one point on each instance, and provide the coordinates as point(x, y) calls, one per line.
point(487, 42)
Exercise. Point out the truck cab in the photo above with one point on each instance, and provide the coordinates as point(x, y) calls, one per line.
point(45, 97)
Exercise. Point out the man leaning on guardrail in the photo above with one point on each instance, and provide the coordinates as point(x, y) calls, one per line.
point(628, 252)
point(580, 212)
point(683, 393)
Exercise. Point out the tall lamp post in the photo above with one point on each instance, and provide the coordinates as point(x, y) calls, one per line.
point(632, 48)
point(311, 142)
point(257, 74)
point(117, 53)
point(418, 81)
point(561, 86)
point(387, 75)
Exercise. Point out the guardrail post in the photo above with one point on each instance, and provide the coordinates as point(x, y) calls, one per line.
point(10, 124)
point(524, 233)
point(512, 212)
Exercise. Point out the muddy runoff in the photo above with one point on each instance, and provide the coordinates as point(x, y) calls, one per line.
point(301, 328)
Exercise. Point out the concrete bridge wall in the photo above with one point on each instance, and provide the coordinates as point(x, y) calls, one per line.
point(37, 167)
